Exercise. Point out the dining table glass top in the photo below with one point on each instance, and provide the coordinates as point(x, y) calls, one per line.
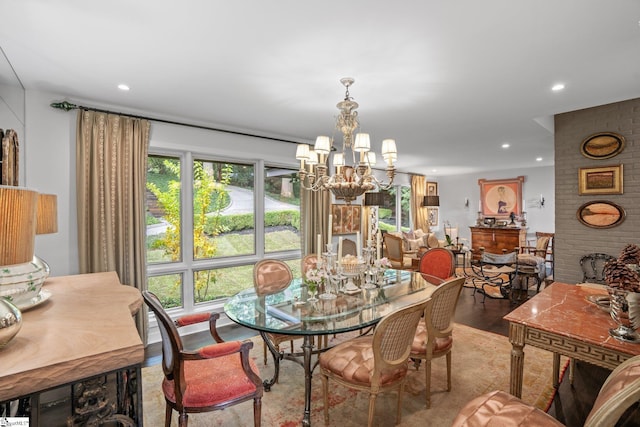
point(293, 311)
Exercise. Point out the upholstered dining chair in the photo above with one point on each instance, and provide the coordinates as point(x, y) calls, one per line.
point(210, 378)
point(374, 363)
point(395, 252)
point(307, 263)
point(434, 335)
point(620, 390)
point(438, 262)
point(269, 277)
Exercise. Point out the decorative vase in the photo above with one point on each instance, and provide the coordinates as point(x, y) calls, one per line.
point(625, 311)
point(10, 321)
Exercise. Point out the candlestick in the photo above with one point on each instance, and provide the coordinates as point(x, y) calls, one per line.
point(330, 232)
point(358, 253)
point(339, 250)
point(319, 244)
point(379, 244)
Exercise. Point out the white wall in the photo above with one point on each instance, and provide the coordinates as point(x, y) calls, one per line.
point(454, 189)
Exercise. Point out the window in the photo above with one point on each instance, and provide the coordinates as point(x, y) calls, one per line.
point(394, 213)
point(238, 212)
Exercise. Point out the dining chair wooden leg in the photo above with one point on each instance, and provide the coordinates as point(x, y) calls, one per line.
point(372, 408)
point(427, 381)
point(325, 397)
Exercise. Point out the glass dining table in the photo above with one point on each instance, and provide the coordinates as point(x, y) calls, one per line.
point(294, 312)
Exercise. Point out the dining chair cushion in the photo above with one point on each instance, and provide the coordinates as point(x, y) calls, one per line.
point(419, 344)
point(499, 408)
point(213, 381)
point(353, 361)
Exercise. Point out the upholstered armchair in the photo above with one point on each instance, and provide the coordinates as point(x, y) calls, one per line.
point(208, 379)
point(395, 252)
point(373, 363)
point(434, 335)
point(534, 260)
point(620, 390)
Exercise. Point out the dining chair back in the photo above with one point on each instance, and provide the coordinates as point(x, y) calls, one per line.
point(349, 247)
point(309, 262)
point(269, 277)
point(434, 334)
point(210, 378)
point(438, 262)
point(374, 363)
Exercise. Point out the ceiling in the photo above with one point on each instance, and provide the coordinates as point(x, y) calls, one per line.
point(449, 81)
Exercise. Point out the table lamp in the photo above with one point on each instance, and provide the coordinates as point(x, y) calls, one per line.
point(17, 240)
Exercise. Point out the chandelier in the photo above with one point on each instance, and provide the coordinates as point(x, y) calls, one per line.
point(353, 172)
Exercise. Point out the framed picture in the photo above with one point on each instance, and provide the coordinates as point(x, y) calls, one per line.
point(432, 215)
point(600, 214)
point(500, 197)
point(432, 188)
point(601, 180)
point(346, 219)
point(602, 145)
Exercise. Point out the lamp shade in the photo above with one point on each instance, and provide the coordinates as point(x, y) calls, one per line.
point(431, 201)
point(323, 145)
point(47, 214)
point(18, 207)
point(374, 198)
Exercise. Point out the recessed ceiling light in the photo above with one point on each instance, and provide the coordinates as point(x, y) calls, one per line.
point(538, 159)
point(505, 145)
point(434, 170)
point(123, 87)
point(557, 87)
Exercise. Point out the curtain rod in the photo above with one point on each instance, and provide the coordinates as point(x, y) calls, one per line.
point(67, 106)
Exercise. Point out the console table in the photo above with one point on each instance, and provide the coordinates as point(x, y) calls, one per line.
point(84, 330)
point(495, 239)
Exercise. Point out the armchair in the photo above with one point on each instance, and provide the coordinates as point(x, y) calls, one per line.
point(619, 391)
point(395, 252)
point(208, 379)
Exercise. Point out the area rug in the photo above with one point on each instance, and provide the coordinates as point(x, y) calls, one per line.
point(481, 363)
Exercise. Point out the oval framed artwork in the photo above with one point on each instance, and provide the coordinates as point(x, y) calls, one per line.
point(602, 145)
point(601, 214)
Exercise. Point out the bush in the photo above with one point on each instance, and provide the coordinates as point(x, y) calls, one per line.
point(239, 222)
point(384, 213)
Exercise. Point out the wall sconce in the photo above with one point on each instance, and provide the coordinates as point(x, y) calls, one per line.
point(541, 201)
point(431, 201)
point(466, 202)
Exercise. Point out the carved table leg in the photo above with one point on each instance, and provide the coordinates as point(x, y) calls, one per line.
point(516, 338)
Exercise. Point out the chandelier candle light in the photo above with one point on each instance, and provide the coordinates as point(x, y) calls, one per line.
point(353, 175)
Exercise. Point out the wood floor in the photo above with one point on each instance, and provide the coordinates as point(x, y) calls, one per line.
point(571, 404)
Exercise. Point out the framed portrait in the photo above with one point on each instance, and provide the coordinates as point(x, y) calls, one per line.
point(432, 188)
point(345, 219)
point(500, 197)
point(600, 214)
point(601, 180)
point(603, 145)
point(432, 216)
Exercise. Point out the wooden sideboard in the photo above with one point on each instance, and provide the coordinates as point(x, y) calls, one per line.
point(495, 239)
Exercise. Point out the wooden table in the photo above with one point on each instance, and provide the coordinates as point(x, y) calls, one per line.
point(83, 330)
point(561, 320)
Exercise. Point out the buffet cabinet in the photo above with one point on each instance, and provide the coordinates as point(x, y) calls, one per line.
point(497, 239)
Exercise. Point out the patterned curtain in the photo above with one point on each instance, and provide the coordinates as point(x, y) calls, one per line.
point(314, 219)
point(418, 213)
point(111, 166)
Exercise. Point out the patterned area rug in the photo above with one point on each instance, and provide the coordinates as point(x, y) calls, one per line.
point(481, 363)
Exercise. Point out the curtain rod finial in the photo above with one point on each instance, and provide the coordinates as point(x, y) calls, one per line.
point(64, 105)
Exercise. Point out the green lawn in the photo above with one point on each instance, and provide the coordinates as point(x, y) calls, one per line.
point(227, 281)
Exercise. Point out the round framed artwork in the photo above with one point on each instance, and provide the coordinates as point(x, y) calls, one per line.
point(602, 145)
point(601, 214)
